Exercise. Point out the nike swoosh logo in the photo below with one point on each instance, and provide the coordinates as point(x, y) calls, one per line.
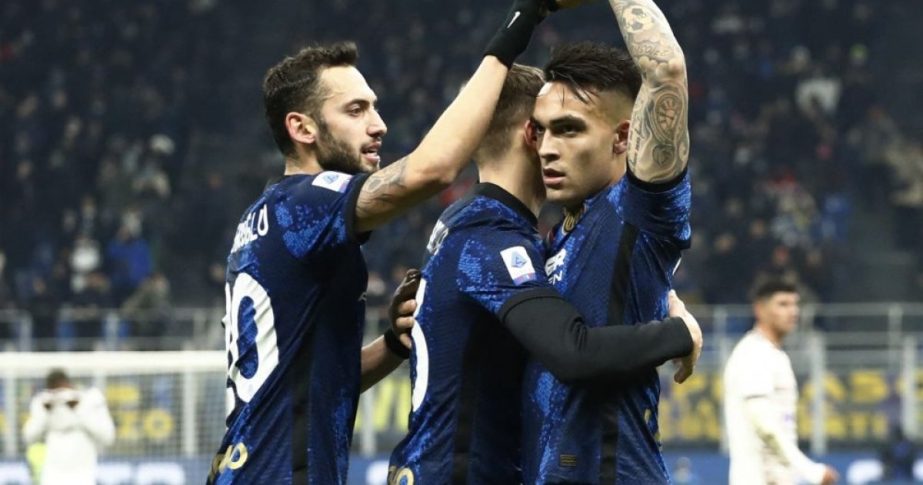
point(515, 16)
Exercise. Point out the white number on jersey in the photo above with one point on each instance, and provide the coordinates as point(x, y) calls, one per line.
point(421, 380)
point(245, 287)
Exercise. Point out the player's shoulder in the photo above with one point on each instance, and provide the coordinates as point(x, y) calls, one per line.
point(753, 348)
point(479, 213)
point(318, 187)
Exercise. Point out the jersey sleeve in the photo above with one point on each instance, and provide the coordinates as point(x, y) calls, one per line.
point(659, 209)
point(500, 266)
point(319, 214)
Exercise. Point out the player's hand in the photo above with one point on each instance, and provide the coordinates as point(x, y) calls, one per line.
point(516, 30)
point(830, 476)
point(403, 305)
point(686, 365)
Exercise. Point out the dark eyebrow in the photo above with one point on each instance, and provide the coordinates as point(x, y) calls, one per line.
point(569, 120)
point(361, 102)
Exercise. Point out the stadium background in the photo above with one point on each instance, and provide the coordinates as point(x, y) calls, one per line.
point(132, 137)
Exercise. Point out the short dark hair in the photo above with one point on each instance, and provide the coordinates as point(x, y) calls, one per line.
point(593, 66)
point(517, 99)
point(56, 378)
point(764, 289)
point(293, 85)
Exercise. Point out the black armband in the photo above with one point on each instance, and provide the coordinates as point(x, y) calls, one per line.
point(395, 346)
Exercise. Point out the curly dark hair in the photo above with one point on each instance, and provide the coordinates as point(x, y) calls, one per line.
point(292, 85)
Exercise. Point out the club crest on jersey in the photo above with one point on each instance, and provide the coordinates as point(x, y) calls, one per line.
point(518, 264)
point(335, 181)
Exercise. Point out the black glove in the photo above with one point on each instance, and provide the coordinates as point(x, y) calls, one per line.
point(513, 36)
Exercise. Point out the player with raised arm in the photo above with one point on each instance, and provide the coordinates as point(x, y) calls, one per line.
point(483, 293)
point(613, 142)
point(296, 276)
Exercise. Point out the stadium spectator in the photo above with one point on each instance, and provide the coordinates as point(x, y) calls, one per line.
point(102, 107)
point(147, 311)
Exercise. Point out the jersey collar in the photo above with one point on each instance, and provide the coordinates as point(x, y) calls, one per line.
point(497, 193)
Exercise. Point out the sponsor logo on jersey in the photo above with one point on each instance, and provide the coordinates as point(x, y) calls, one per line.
point(518, 264)
point(335, 181)
point(555, 263)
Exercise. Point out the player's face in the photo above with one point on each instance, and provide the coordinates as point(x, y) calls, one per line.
point(781, 312)
point(575, 143)
point(350, 129)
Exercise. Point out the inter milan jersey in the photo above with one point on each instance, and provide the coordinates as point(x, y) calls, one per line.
point(616, 265)
point(296, 281)
point(483, 257)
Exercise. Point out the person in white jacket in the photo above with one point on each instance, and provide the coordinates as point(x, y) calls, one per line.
point(74, 424)
point(760, 396)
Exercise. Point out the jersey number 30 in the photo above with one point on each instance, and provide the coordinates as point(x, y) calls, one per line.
point(250, 335)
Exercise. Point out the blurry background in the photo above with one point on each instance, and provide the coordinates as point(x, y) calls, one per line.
point(132, 138)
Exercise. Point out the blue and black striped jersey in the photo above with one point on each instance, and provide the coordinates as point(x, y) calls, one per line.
point(484, 256)
point(296, 282)
point(616, 265)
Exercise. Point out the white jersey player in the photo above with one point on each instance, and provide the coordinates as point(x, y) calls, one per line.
point(760, 397)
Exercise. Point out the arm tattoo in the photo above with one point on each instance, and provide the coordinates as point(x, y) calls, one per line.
point(382, 191)
point(658, 147)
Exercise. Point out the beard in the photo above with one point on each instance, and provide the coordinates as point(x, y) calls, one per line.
point(335, 154)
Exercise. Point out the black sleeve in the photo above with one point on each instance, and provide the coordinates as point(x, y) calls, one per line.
point(553, 331)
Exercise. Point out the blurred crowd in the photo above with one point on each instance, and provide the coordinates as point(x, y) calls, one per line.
point(132, 137)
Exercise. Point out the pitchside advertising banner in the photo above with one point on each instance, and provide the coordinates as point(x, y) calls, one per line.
point(699, 468)
point(860, 405)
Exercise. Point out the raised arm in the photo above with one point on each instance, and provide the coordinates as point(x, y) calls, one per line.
point(435, 163)
point(448, 146)
point(658, 143)
point(95, 418)
point(37, 425)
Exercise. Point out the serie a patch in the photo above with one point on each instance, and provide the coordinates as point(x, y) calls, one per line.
point(518, 264)
point(335, 181)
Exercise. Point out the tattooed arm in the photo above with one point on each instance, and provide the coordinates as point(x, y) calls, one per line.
point(441, 155)
point(658, 143)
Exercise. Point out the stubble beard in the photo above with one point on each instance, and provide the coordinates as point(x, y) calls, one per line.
point(335, 154)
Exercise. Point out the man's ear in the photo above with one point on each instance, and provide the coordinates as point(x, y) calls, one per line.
point(529, 136)
point(301, 128)
point(620, 141)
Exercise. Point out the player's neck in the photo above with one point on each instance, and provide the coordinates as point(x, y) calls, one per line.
point(774, 337)
point(619, 169)
point(575, 208)
point(302, 164)
point(517, 178)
